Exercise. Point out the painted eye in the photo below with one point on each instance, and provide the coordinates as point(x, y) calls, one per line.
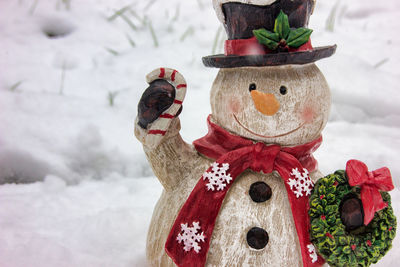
point(252, 87)
point(283, 90)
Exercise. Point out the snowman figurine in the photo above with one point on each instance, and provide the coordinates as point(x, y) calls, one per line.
point(240, 196)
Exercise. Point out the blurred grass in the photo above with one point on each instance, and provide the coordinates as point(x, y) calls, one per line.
point(15, 86)
point(216, 40)
point(331, 20)
point(153, 34)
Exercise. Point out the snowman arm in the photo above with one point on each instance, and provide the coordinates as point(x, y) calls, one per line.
point(173, 160)
point(157, 127)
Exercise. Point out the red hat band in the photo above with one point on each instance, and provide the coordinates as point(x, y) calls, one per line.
point(248, 47)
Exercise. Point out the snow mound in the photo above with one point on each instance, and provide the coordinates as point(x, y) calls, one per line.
point(57, 27)
point(75, 185)
point(21, 167)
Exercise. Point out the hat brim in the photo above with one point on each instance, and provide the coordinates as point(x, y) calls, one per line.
point(276, 59)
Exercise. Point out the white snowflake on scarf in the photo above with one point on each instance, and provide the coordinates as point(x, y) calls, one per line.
point(301, 183)
point(313, 253)
point(190, 237)
point(217, 178)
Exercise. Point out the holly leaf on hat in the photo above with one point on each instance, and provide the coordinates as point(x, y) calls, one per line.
point(267, 38)
point(298, 37)
point(283, 36)
point(282, 25)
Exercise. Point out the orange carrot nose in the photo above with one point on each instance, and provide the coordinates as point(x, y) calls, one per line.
point(267, 104)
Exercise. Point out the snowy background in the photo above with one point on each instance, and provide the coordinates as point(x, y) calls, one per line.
point(75, 187)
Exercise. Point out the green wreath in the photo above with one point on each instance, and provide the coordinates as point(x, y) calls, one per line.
point(361, 247)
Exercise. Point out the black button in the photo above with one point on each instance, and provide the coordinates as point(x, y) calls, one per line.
point(257, 238)
point(260, 192)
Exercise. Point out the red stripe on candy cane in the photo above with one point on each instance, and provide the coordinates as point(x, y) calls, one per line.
point(167, 116)
point(178, 102)
point(181, 86)
point(162, 73)
point(157, 132)
point(173, 75)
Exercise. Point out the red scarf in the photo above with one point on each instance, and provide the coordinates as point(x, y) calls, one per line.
point(189, 239)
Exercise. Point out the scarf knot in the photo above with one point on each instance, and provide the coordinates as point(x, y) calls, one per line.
point(262, 157)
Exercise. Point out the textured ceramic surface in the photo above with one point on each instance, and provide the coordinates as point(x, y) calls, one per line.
point(179, 167)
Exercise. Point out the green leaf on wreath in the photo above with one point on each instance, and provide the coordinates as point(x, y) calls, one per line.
point(338, 231)
point(314, 202)
point(376, 232)
point(346, 249)
point(339, 222)
point(331, 258)
point(330, 198)
point(331, 241)
point(343, 240)
point(331, 209)
point(316, 228)
point(282, 25)
point(386, 197)
point(324, 180)
point(337, 252)
point(375, 253)
point(319, 209)
point(341, 176)
point(379, 244)
point(331, 189)
point(384, 235)
point(312, 213)
point(383, 226)
point(327, 242)
point(267, 38)
point(391, 215)
point(331, 220)
point(331, 181)
point(298, 37)
point(321, 190)
point(352, 259)
point(361, 253)
point(342, 259)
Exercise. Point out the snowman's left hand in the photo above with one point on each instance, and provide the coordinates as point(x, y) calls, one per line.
point(156, 99)
point(352, 213)
point(159, 106)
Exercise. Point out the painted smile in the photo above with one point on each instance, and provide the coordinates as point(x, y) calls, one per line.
point(265, 136)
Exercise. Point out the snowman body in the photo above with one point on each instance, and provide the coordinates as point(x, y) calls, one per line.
point(284, 105)
point(238, 215)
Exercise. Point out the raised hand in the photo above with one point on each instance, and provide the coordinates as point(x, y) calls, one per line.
point(156, 99)
point(160, 103)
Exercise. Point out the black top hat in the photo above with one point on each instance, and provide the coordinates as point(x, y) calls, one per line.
point(245, 47)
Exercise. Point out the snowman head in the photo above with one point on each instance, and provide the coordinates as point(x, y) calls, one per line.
point(285, 105)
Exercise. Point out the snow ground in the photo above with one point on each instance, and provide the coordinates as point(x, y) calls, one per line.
point(85, 192)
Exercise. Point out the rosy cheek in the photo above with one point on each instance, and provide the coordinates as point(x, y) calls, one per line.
point(308, 115)
point(234, 106)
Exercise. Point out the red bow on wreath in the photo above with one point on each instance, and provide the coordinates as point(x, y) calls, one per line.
point(370, 184)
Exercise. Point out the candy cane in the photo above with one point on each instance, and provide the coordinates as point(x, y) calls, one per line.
point(160, 126)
